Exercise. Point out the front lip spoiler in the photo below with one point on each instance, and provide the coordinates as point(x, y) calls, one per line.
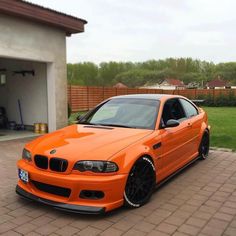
point(61, 206)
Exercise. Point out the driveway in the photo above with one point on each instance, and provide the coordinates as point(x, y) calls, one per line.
point(199, 201)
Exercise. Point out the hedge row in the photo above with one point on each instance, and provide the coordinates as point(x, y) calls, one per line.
point(219, 101)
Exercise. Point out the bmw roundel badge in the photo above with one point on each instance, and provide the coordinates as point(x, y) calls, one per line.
point(53, 151)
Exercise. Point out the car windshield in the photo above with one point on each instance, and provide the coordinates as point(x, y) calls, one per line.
point(124, 112)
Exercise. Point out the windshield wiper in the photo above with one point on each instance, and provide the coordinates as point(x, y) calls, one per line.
point(116, 125)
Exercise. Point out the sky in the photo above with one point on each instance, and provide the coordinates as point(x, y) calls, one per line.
point(140, 30)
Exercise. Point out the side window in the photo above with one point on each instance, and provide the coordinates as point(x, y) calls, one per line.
point(172, 110)
point(190, 110)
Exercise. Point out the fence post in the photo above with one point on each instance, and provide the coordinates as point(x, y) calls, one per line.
point(71, 105)
point(103, 93)
point(87, 98)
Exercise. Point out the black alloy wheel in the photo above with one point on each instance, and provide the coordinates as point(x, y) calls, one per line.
point(204, 146)
point(140, 184)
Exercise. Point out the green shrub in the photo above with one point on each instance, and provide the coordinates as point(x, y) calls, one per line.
point(218, 101)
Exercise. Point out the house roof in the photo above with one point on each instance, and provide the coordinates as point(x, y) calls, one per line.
point(174, 82)
point(217, 83)
point(40, 14)
point(120, 85)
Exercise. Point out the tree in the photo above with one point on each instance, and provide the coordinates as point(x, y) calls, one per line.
point(83, 74)
point(109, 70)
point(149, 72)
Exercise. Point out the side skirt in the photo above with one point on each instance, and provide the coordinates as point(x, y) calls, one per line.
point(158, 185)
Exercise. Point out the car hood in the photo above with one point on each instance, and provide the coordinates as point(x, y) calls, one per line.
point(81, 142)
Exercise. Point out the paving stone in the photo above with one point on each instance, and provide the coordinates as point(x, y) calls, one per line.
point(175, 220)
point(80, 224)
point(101, 224)
point(42, 220)
point(194, 221)
point(179, 234)
point(157, 233)
point(166, 228)
point(21, 220)
point(203, 215)
point(46, 229)
point(154, 219)
point(133, 232)
point(4, 210)
point(162, 213)
point(223, 216)
point(11, 233)
point(217, 223)
point(88, 231)
point(67, 230)
point(182, 214)
point(123, 225)
point(26, 228)
point(212, 231)
point(112, 232)
point(233, 223)
point(188, 229)
point(144, 227)
point(133, 218)
point(6, 218)
point(230, 231)
point(18, 212)
point(4, 227)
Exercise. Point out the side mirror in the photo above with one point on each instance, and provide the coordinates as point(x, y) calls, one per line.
point(172, 123)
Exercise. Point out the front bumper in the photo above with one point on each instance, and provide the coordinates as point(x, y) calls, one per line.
point(111, 185)
point(60, 206)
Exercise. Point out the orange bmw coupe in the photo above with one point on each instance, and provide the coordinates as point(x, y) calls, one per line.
point(116, 154)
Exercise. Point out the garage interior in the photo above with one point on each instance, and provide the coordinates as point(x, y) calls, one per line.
point(23, 97)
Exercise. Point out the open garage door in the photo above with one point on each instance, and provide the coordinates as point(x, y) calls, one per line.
point(24, 82)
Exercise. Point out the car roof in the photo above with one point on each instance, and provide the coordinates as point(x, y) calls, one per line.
point(148, 96)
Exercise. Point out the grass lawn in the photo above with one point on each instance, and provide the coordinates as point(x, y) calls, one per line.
point(223, 126)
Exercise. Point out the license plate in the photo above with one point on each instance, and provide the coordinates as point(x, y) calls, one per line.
point(23, 175)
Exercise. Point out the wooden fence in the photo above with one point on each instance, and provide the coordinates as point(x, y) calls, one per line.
point(82, 98)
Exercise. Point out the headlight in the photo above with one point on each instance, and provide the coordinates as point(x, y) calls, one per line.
point(26, 155)
point(96, 166)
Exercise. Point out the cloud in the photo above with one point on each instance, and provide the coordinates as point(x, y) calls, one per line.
point(151, 29)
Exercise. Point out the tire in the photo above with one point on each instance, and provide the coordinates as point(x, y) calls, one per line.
point(140, 183)
point(204, 146)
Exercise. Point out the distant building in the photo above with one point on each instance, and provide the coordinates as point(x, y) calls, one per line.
point(218, 83)
point(167, 84)
point(120, 85)
point(193, 85)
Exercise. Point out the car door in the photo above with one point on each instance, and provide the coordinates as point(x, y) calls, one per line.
point(195, 119)
point(176, 146)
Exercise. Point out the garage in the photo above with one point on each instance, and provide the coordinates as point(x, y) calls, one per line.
point(33, 76)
